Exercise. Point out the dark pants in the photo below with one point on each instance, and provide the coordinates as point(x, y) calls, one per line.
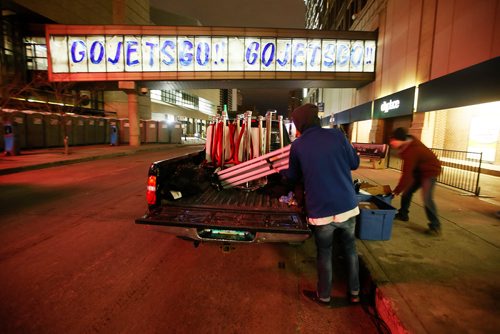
point(427, 186)
point(323, 235)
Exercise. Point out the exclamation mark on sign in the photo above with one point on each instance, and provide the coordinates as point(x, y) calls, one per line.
point(369, 55)
point(219, 53)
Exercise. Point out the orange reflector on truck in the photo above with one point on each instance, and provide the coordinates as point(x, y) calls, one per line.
point(151, 190)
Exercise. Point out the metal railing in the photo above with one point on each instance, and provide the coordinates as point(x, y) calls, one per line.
point(460, 169)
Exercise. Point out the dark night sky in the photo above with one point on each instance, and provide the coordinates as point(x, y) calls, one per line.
point(243, 13)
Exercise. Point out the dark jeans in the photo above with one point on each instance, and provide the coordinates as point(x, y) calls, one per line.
point(323, 236)
point(427, 186)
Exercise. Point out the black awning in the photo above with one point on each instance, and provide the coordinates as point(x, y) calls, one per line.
point(476, 84)
point(361, 112)
point(325, 121)
point(342, 117)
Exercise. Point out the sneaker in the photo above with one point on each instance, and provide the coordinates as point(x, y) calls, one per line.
point(354, 298)
point(313, 296)
point(401, 217)
point(433, 232)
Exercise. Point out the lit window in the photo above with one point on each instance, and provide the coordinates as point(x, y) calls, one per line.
point(36, 53)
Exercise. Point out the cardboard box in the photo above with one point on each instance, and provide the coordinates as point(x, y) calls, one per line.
point(366, 190)
point(375, 224)
point(376, 189)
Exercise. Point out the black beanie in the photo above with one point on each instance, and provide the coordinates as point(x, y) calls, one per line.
point(399, 134)
point(305, 116)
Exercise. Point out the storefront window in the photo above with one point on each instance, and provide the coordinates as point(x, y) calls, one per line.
point(484, 131)
point(361, 131)
point(474, 129)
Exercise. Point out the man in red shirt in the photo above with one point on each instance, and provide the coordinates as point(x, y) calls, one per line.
point(421, 168)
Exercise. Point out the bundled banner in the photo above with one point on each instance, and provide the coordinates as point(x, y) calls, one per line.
point(255, 168)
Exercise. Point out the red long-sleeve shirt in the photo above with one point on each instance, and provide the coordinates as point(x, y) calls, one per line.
point(419, 163)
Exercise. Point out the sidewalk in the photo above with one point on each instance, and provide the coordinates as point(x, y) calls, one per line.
point(49, 157)
point(447, 284)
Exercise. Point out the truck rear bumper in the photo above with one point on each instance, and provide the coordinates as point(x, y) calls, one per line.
point(230, 225)
point(249, 237)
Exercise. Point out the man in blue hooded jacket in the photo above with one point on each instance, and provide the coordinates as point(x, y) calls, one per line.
point(323, 159)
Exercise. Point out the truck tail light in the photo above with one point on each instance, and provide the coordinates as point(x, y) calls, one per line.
point(151, 190)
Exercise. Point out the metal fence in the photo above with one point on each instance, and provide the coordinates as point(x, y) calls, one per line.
point(460, 169)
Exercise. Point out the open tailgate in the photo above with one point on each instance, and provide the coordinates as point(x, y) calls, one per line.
point(230, 215)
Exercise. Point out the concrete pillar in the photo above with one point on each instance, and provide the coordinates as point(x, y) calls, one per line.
point(417, 124)
point(133, 117)
point(377, 131)
point(234, 100)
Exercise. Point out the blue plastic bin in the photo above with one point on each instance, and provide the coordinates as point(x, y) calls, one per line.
point(366, 197)
point(363, 197)
point(376, 224)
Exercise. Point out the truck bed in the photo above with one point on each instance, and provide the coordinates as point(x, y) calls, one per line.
point(230, 215)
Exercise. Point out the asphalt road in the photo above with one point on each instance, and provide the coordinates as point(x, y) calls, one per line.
point(73, 261)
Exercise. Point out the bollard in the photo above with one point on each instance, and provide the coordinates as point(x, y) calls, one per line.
point(66, 146)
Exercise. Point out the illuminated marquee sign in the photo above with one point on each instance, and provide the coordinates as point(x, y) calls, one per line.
point(127, 53)
point(158, 53)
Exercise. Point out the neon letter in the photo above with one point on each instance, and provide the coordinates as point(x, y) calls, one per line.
point(343, 54)
point(315, 48)
point(151, 52)
point(75, 52)
point(252, 55)
point(329, 55)
point(298, 52)
point(271, 56)
point(186, 54)
point(202, 49)
point(169, 57)
point(286, 54)
point(131, 49)
point(117, 55)
point(356, 55)
point(93, 47)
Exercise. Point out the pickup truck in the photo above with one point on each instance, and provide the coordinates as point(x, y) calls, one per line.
point(185, 198)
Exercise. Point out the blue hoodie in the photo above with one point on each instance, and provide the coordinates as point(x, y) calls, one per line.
point(323, 160)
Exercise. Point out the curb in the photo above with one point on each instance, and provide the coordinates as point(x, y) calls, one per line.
point(390, 305)
point(18, 169)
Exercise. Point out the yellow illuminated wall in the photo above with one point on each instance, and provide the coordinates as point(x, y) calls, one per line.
point(473, 128)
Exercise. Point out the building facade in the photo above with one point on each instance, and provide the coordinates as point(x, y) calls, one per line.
point(23, 56)
point(445, 51)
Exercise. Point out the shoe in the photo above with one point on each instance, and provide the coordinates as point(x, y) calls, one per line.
point(433, 232)
point(401, 217)
point(313, 296)
point(354, 298)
